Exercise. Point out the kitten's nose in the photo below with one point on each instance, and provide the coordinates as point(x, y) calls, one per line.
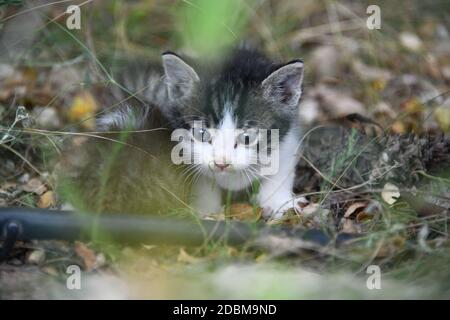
point(221, 166)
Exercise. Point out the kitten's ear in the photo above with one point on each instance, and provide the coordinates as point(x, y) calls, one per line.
point(180, 77)
point(284, 85)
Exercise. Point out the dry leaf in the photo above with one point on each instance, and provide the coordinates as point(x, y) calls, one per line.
point(261, 258)
point(34, 185)
point(391, 246)
point(413, 105)
point(398, 127)
point(36, 257)
point(336, 102)
point(244, 212)
point(46, 200)
point(354, 209)
point(363, 216)
point(442, 116)
point(371, 73)
point(310, 209)
point(83, 106)
point(88, 255)
point(390, 193)
point(348, 226)
point(183, 256)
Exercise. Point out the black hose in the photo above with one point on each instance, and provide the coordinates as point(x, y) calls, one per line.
point(41, 224)
point(22, 224)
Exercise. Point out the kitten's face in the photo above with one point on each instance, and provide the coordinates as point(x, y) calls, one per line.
point(223, 148)
point(227, 114)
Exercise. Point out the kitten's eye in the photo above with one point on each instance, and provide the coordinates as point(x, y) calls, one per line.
point(248, 137)
point(201, 134)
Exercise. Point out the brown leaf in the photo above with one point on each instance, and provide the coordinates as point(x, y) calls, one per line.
point(391, 246)
point(87, 254)
point(363, 216)
point(348, 226)
point(183, 256)
point(354, 209)
point(244, 212)
point(34, 185)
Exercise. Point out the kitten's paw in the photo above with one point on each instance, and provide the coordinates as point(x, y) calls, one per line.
point(275, 209)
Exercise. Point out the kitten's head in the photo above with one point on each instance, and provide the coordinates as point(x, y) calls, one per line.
point(225, 107)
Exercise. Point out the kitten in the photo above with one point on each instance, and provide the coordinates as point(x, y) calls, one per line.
point(231, 113)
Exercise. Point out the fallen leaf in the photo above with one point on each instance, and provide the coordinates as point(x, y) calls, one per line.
point(348, 226)
point(391, 246)
point(46, 200)
point(35, 185)
point(336, 102)
point(36, 257)
point(184, 257)
point(244, 212)
point(442, 116)
point(371, 73)
point(413, 105)
point(354, 209)
point(87, 254)
point(390, 193)
point(363, 216)
point(398, 127)
point(261, 258)
point(83, 107)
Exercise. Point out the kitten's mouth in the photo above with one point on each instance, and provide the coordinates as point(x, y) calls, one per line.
point(221, 168)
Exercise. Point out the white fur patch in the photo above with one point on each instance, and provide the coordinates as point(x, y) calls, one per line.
point(123, 118)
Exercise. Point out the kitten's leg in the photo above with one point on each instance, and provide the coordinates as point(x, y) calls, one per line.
point(276, 193)
point(207, 197)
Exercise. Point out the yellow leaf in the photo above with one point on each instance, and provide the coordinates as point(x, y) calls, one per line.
point(413, 105)
point(442, 116)
point(83, 106)
point(244, 212)
point(378, 84)
point(46, 200)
